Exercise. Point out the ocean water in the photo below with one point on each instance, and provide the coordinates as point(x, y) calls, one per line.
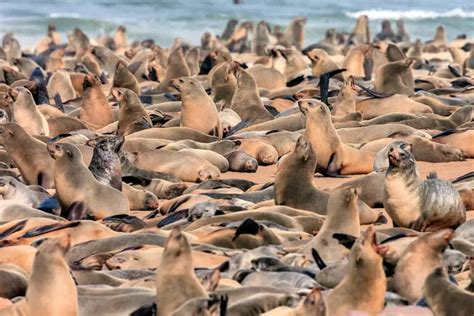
point(164, 20)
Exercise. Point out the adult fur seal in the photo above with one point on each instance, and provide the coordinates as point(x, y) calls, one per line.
point(50, 278)
point(95, 108)
point(198, 110)
point(364, 271)
point(29, 155)
point(294, 184)
point(414, 203)
point(342, 217)
point(445, 298)
point(77, 189)
point(176, 282)
point(26, 114)
point(417, 261)
point(123, 78)
point(388, 78)
point(334, 157)
point(105, 164)
point(246, 100)
point(132, 116)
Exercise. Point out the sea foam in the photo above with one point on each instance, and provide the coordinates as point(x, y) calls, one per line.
point(375, 14)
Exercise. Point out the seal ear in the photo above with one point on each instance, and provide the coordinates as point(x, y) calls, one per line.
point(69, 153)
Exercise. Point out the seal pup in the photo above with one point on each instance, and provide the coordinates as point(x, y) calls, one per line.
point(176, 282)
point(29, 155)
point(334, 157)
point(198, 110)
point(445, 298)
point(246, 101)
point(26, 114)
point(365, 271)
point(132, 116)
point(77, 189)
point(418, 261)
point(95, 108)
point(414, 203)
point(50, 278)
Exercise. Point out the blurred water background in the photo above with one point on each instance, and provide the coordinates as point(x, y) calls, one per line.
point(167, 19)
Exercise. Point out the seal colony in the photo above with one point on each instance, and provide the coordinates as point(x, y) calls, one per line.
point(247, 175)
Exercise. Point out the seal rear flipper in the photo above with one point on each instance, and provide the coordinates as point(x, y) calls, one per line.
point(147, 310)
point(317, 258)
point(248, 226)
point(448, 132)
point(345, 239)
point(324, 83)
point(239, 126)
point(295, 81)
point(173, 217)
point(77, 211)
point(41, 230)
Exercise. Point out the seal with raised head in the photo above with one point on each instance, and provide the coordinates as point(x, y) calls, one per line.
point(26, 114)
point(95, 108)
point(198, 110)
point(421, 205)
point(132, 115)
point(79, 193)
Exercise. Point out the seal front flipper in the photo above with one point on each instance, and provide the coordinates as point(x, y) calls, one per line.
point(324, 83)
point(58, 102)
point(317, 258)
point(76, 211)
point(345, 239)
point(13, 229)
point(333, 170)
point(248, 226)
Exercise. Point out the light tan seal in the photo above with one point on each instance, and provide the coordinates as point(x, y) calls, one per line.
point(77, 189)
point(26, 114)
point(132, 115)
point(176, 282)
point(198, 110)
point(29, 155)
point(95, 108)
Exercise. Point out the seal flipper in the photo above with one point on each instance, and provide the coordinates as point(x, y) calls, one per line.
point(41, 230)
point(76, 211)
point(374, 93)
point(324, 83)
point(136, 180)
point(332, 170)
point(317, 258)
point(248, 226)
point(58, 102)
point(223, 305)
point(124, 223)
point(147, 310)
point(173, 217)
point(13, 229)
point(345, 239)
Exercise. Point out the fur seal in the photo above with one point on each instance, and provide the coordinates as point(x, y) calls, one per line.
point(445, 298)
point(364, 271)
point(411, 202)
point(334, 157)
point(418, 261)
point(77, 189)
point(241, 161)
point(123, 78)
point(294, 184)
point(132, 116)
point(26, 114)
point(388, 78)
point(342, 217)
point(187, 167)
point(50, 264)
point(176, 282)
point(29, 155)
point(346, 99)
point(198, 110)
point(60, 84)
point(95, 108)
point(175, 134)
point(176, 68)
point(246, 100)
point(321, 62)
